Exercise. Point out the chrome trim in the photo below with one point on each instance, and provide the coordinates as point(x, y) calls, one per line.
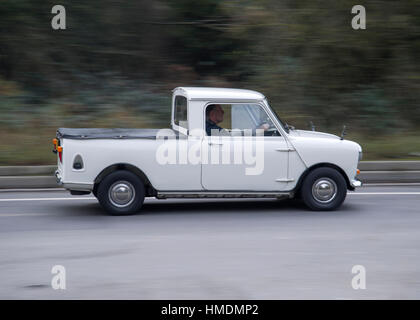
point(285, 149)
point(324, 190)
point(285, 180)
point(121, 194)
point(356, 183)
point(78, 186)
point(221, 194)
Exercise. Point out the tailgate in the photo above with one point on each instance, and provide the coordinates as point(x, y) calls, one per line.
point(58, 150)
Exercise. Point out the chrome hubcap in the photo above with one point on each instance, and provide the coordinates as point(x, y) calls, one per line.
point(121, 194)
point(324, 190)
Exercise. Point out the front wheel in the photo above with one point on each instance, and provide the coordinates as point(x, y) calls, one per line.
point(324, 189)
point(121, 193)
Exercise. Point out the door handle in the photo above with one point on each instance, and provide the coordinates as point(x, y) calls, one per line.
point(215, 143)
point(285, 149)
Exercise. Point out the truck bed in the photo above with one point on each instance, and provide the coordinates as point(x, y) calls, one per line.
point(102, 133)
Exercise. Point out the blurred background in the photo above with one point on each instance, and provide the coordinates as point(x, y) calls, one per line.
point(117, 62)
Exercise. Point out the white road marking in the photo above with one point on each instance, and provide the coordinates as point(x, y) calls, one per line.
point(390, 184)
point(33, 190)
point(93, 198)
point(23, 214)
point(47, 199)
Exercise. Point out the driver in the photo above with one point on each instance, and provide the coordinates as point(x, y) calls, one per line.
point(214, 115)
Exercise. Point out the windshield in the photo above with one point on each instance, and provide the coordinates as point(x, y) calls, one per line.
point(283, 124)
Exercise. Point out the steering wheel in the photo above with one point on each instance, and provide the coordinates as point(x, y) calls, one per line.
point(272, 131)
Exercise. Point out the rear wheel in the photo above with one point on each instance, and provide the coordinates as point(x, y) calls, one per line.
point(324, 189)
point(121, 193)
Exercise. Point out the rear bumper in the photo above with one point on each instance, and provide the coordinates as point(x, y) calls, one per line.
point(58, 177)
point(71, 185)
point(78, 186)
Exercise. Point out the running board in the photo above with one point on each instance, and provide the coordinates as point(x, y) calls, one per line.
point(210, 194)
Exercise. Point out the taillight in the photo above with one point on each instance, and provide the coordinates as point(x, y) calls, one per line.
point(60, 153)
point(55, 143)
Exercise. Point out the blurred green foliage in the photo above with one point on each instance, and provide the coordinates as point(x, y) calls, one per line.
point(117, 61)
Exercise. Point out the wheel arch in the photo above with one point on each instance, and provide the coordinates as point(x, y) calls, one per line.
point(150, 190)
point(322, 165)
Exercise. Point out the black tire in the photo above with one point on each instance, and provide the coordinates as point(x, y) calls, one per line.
point(318, 187)
point(128, 195)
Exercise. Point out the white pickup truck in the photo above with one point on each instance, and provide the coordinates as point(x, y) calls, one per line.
point(223, 143)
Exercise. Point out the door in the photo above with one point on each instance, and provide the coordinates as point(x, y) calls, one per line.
point(244, 150)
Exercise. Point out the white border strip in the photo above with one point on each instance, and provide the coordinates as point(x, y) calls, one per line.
point(383, 193)
point(33, 190)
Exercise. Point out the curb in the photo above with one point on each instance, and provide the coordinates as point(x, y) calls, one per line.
point(27, 182)
point(389, 166)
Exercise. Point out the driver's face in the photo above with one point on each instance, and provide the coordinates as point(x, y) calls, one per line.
point(217, 114)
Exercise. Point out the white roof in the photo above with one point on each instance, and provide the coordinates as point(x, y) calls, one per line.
point(202, 93)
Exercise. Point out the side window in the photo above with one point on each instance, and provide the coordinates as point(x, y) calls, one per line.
point(239, 119)
point(180, 114)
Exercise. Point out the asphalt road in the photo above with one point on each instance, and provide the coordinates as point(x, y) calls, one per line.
point(211, 249)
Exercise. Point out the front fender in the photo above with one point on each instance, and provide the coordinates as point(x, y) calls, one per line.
point(341, 153)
